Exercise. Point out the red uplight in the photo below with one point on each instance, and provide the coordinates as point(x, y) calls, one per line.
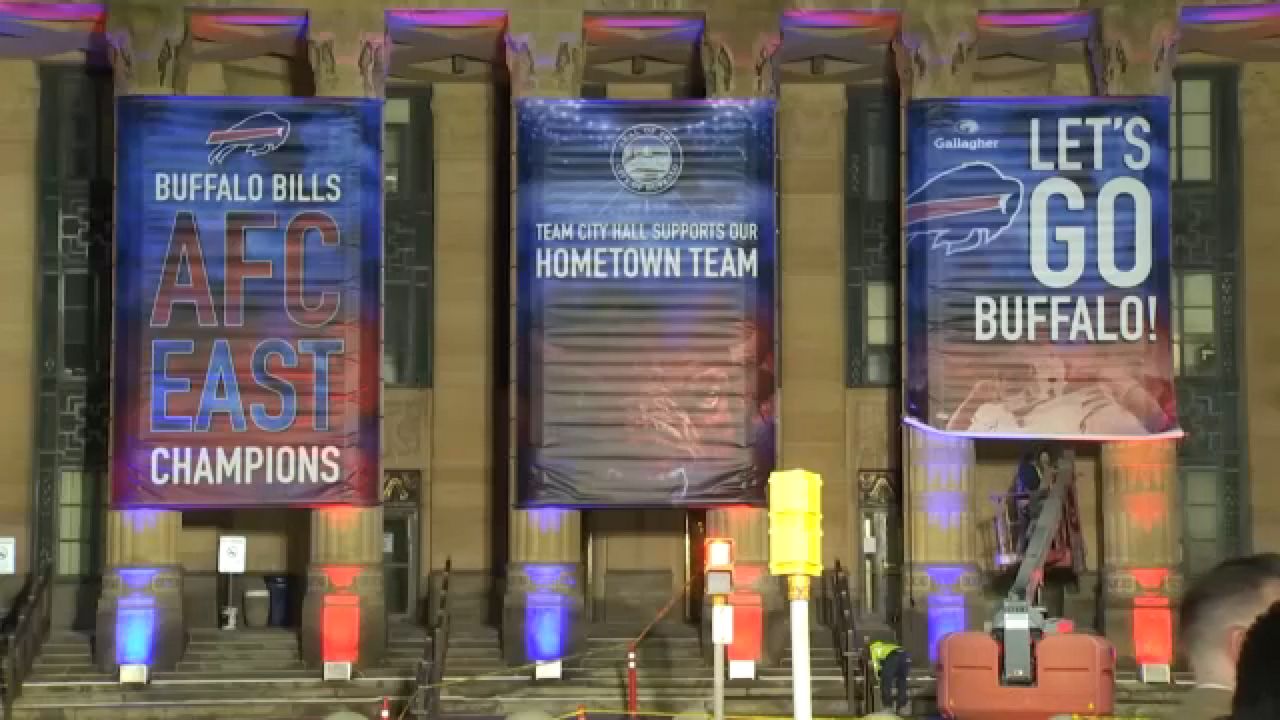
point(340, 628)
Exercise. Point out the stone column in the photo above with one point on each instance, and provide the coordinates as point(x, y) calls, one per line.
point(935, 53)
point(463, 425)
point(19, 315)
point(349, 52)
point(544, 569)
point(140, 609)
point(1133, 51)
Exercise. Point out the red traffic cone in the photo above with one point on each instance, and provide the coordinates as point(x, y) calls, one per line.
point(386, 709)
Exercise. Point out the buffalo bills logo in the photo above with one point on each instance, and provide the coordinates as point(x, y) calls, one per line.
point(257, 135)
point(964, 208)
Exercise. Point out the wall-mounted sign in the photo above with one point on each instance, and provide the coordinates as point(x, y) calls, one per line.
point(233, 552)
point(8, 556)
point(1038, 277)
point(248, 279)
point(646, 251)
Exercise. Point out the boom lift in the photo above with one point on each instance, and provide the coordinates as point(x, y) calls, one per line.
point(1028, 666)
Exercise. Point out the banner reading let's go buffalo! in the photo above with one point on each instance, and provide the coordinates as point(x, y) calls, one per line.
point(247, 276)
point(1038, 267)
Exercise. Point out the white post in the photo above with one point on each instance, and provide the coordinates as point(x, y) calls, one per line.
point(801, 697)
point(718, 686)
point(721, 638)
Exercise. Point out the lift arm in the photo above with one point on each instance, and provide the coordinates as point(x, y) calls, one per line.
point(1018, 617)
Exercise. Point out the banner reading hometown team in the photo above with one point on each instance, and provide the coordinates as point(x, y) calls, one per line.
point(1038, 267)
point(248, 268)
point(645, 248)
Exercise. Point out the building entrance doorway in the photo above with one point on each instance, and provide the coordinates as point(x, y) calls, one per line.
point(880, 571)
point(638, 559)
point(400, 561)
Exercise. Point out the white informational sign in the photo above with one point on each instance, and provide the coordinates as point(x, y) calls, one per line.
point(8, 556)
point(869, 545)
point(722, 624)
point(547, 670)
point(742, 669)
point(232, 551)
point(388, 542)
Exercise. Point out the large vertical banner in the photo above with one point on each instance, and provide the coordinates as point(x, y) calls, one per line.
point(1038, 267)
point(248, 273)
point(646, 246)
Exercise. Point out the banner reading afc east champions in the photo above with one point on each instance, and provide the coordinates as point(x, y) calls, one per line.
point(247, 276)
point(1038, 267)
point(646, 245)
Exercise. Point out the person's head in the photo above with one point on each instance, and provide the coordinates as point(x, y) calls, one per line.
point(1218, 609)
point(1257, 694)
point(1044, 458)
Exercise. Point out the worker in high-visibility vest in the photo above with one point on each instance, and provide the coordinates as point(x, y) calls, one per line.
point(891, 664)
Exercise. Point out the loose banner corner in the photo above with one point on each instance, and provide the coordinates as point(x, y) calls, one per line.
point(646, 256)
point(1038, 268)
point(247, 302)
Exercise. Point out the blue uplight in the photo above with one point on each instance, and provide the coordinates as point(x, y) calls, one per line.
point(135, 630)
point(545, 622)
point(946, 615)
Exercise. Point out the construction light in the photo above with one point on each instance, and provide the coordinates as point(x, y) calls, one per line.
point(719, 559)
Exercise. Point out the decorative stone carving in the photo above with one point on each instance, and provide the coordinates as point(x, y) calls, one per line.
point(935, 50)
point(348, 49)
point(535, 72)
point(877, 488)
point(401, 486)
point(724, 78)
point(1133, 46)
point(717, 66)
point(148, 44)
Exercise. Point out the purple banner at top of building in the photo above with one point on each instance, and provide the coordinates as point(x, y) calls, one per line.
point(1038, 270)
point(247, 319)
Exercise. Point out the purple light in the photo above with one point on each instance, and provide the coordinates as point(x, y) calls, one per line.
point(946, 615)
point(137, 579)
point(1205, 15)
point(1033, 19)
point(1177, 434)
point(54, 12)
point(945, 575)
point(450, 18)
point(641, 22)
point(944, 507)
point(547, 519)
point(838, 18)
point(284, 20)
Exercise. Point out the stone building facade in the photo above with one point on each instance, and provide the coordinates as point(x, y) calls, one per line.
point(1154, 513)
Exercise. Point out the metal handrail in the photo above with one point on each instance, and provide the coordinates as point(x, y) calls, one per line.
point(842, 621)
point(430, 670)
point(23, 637)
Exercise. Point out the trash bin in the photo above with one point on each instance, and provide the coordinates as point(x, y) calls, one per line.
point(278, 588)
point(257, 608)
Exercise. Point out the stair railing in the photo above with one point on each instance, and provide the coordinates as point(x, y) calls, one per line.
point(25, 631)
point(842, 621)
point(430, 670)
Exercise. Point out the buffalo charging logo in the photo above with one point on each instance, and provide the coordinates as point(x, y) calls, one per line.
point(256, 135)
point(647, 159)
point(964, 208)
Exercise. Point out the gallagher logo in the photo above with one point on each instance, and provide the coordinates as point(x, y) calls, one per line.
point(257, 135)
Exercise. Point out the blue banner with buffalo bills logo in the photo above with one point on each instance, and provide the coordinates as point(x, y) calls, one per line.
point(645, 249)
point(1038, 273)
point(247, 302)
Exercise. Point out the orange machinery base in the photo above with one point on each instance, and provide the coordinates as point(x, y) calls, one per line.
point(1074, 674)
